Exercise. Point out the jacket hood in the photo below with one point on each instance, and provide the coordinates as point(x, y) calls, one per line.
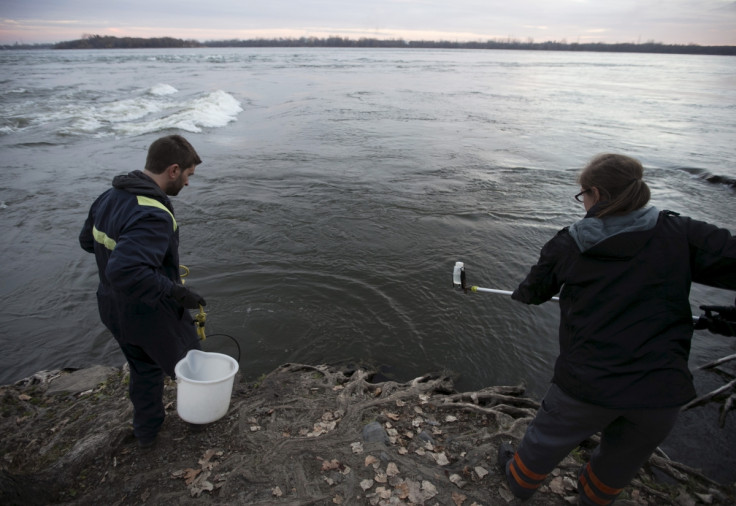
point(591, 231)
point(138, 183)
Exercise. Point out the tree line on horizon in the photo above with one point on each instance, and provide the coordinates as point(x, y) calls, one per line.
point(110, 42)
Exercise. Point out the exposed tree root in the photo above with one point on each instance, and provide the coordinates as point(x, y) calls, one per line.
point(718, 362)
point(725, 395)
point(304, 435)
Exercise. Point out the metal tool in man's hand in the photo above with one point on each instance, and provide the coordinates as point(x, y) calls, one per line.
point(192, 300)
point(459, 281)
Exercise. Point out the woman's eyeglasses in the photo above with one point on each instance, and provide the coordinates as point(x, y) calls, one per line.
point(579, 195)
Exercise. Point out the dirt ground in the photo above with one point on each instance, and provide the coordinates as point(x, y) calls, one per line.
point(301, 435)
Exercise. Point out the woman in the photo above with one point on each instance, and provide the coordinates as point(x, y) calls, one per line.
point(625, 327)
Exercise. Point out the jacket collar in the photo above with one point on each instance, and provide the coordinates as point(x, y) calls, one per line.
point(138, 183)
point(591, 231)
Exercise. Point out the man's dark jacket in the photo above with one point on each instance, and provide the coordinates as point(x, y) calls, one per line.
point(132, 231)
point(625, 319)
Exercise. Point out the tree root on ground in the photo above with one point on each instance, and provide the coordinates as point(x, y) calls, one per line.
point(725, 395)
point(303, 435)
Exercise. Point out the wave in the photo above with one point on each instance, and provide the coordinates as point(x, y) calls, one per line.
point(711, 178)
point(163, 89)
point(14, 91)
point(213, 110)
point(141, 112)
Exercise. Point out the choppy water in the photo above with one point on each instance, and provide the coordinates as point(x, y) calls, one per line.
point(338, 189)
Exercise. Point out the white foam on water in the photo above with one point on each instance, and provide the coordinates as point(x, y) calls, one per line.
point(100, 119)
point(216, 109)
point(155, 110)
point(70, 112)
point(162, 89)
point(213, 110)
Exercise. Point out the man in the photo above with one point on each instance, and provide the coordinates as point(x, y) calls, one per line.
point(134, 235)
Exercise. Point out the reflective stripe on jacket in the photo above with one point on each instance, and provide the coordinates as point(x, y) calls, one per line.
point(134, 235)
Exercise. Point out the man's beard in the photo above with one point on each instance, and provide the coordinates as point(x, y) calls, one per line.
point(174, 187)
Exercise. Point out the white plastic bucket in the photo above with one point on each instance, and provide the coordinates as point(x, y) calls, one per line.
point(204, 386)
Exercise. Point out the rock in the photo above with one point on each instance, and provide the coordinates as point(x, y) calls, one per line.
point(441, 459)
point(429, 489)
point(375, 433)
point(505, 494)
point(457, 480)
point(480, 471)
point(425, 436)
point(685, 499)
point(80, 380)
point(705, 498)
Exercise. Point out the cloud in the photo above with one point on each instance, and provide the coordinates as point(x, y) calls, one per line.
point(705, 21)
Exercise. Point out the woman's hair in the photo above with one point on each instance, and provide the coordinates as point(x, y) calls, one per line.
point(619, 182)
point(168, 150)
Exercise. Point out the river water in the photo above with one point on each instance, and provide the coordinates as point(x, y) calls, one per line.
point(338, 189)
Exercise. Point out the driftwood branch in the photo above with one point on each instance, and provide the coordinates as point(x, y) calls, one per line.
point(495, 396)
point(728, 400)
point(679, 471)
point(663, 498)
point(704, 399)
point(718, 362)
point(725, 394)
point(727, 406)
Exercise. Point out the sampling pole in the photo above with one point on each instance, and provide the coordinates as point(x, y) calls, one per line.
point(458, 281)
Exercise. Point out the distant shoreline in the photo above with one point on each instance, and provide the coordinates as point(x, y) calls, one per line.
point(106, 42)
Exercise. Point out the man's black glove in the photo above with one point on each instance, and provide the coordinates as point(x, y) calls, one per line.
point(186, 297)
point(718, 319)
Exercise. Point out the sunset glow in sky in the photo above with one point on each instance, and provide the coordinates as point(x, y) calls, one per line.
point(703, 22)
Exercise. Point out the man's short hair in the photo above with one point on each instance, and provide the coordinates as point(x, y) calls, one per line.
point(172, 149)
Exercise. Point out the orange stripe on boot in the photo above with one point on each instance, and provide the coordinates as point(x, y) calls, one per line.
point(531, 474)
point(590, 493)
point(517, 466)
point(599, 484)
point(520, 481)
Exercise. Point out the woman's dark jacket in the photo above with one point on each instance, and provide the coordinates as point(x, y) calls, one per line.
point(625, 319)
point(132, 231)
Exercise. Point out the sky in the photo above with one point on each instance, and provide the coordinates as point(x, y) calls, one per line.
point(703, 22)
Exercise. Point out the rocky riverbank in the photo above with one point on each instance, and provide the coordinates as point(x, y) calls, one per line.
point(301, 435)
